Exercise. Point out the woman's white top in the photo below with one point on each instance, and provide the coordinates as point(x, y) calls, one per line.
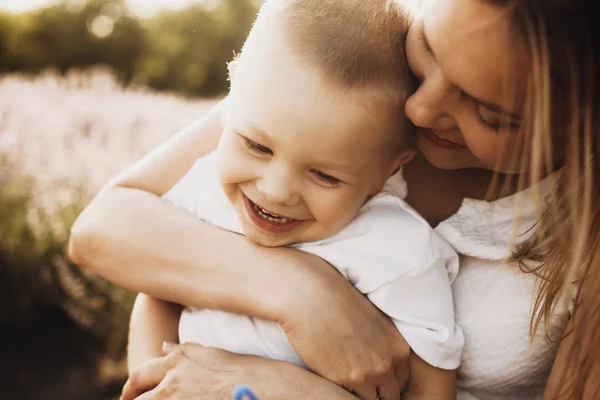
point(494, 300)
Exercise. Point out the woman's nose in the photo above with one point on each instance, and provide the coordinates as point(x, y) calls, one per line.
point(432, 104)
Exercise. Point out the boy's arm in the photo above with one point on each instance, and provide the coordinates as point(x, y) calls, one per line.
point(152, 323)
point(424, 325)
point(429, 383)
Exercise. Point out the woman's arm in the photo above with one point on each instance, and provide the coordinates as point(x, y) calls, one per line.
point(196, 372)
point(132, 237)
point(153, 322)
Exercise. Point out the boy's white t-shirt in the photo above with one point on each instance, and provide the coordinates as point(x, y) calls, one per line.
point(388, 252)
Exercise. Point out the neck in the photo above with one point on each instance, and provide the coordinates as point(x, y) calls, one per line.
point(437, 194)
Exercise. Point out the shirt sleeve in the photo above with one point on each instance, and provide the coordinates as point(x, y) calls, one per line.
point(189, 190)
point(392, 255)
point(421, 306)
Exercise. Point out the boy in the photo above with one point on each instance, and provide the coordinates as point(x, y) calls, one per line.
point(313, 132)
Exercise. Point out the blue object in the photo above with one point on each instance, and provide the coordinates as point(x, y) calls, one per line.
point(244, 393)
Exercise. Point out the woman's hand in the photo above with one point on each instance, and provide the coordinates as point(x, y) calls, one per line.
point(196, 372)
point(341, 336)
point(190, 372)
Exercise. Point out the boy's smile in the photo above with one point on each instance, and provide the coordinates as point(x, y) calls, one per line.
point(267, 220)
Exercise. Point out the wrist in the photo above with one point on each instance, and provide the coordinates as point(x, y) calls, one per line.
point(273, 379)
point(308, 279)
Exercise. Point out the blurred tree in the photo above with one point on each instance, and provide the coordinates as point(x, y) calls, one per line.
point(183, 51)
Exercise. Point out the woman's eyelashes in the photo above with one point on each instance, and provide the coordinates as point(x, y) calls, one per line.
point(256, 147)
point(488, 118)
point(325, 178)
point(424, 43)
point(494, 121)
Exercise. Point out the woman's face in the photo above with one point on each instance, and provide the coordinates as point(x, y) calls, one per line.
point(463, 52)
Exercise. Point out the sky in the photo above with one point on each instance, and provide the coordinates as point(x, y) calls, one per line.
point(140, 7)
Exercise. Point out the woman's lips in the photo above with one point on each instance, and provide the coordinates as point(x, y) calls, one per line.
point(265, 224)
point(439, 140)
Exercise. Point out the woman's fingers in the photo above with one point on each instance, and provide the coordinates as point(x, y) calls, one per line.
point(168, 347)
point(366, 392)
point(151, 395)
point(161, 392)
point(389, 389)
point(144, 378)
point(402, 375)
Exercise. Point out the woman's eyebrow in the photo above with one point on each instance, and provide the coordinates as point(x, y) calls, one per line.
point(493, 107)
point(487, 104)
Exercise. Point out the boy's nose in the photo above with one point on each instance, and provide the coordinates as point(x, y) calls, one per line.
point(279, 188)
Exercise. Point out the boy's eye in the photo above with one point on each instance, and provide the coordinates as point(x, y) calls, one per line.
point(327, 179)
point(257, 147)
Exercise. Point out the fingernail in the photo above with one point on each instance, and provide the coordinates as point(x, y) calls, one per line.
point(168, 346)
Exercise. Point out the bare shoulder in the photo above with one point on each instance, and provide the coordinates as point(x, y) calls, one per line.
point(160, 169)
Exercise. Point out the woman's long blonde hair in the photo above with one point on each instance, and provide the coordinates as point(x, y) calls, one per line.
point(562, 128)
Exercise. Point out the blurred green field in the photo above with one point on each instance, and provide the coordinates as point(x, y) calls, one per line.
point(63, 330)
point(86, 88)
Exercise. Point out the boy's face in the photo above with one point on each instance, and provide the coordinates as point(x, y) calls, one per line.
point(298, 157)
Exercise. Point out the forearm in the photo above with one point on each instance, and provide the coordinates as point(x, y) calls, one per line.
point(130, 236)
point(152, 323)
point(429, 383)
point(159, 250)
point(287, 381)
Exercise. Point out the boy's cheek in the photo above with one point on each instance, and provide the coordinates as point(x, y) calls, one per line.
point(232, 164)
point(335, 209)
point(233, 170)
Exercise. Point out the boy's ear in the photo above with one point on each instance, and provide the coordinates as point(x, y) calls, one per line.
point(404, 157)
point(232, 68)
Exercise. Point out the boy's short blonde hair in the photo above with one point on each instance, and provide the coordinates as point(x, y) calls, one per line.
point(355, 44)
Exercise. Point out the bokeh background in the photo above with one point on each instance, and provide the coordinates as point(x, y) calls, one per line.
point(87, 88)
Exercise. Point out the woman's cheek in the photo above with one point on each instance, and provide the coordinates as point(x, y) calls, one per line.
point(486, 152)
point(485, 146)
point(499, 152)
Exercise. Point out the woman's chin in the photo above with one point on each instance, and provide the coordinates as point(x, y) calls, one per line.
point(444, 162)
point(447, 159)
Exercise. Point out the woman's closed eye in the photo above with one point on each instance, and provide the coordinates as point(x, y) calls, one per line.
point(256, 147)
point(490, 116)
point(325, 178)
point(424, 43)
point(495, 121)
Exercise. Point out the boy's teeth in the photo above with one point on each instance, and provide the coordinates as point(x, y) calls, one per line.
point(271, 217)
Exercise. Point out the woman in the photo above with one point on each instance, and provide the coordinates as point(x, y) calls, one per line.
point(508, 100)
